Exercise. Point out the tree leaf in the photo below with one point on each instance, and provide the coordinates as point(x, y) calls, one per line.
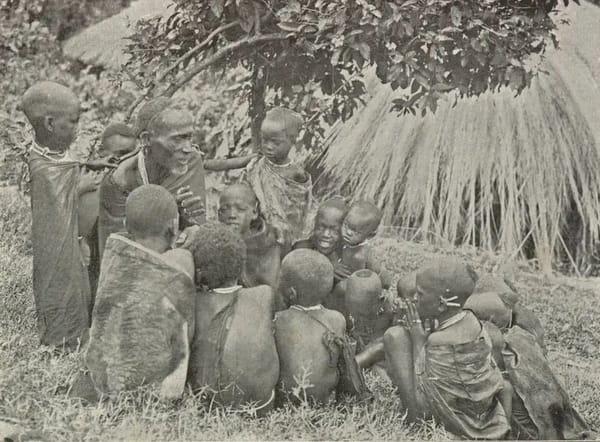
point(217, 7)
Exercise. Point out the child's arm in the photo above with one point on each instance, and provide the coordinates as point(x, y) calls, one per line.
point(505, 397)
point(89, 181)
point(219, 164)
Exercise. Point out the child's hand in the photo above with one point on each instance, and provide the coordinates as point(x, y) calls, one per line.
point(415, 325)
point(89, 180)
point(191, 205)
point(341, 270)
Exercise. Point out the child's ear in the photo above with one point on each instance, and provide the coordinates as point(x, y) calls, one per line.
point(291, 295)
point(48, 123)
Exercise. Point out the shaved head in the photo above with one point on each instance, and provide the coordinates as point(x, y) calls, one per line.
point(309, 273)
point(168, 119)
point(149, 110)
point(241, 190)
point(291, 122)
point(149, 211)
point(47, 98)
point(53, 111)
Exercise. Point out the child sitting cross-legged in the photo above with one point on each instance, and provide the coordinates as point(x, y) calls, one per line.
point(282, 187)
point(238, 208)
point(448, 374)
point(315, 356)
point(234, 359)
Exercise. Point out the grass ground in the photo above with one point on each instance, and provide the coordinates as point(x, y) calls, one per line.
point(34, 381)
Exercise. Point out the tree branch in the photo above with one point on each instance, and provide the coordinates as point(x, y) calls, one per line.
point(180, 60)
point(221, 53)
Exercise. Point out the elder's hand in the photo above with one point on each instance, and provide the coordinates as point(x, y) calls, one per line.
point(192, 206)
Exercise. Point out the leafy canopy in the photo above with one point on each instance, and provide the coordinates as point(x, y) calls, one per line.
point(319, 48)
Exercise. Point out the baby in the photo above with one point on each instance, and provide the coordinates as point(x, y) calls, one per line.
point(238, 208)
point(283, 188)
point(314, 354)
point(359, 226)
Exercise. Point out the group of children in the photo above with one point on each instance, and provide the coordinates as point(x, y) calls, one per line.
point(250, 312)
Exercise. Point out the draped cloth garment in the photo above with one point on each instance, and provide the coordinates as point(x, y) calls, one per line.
point(143, 319)
point(283, 202)
point(113, 197)
point(60, 280)
point(460, 385)
point(541, 407)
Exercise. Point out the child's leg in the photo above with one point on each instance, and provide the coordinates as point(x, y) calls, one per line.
point(398, 353)
point(527, 320)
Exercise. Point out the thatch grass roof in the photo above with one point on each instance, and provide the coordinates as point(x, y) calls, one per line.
point(104, 43)
point(501, 172)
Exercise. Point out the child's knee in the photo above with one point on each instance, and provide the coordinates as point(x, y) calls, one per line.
point(394, 336)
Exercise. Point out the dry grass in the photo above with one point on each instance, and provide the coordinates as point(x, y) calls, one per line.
point(498, 171)
point(34, 381)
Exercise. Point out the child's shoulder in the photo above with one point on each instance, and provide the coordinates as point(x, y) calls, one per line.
point(335, 319)
point(181, 259)
point(124, 176)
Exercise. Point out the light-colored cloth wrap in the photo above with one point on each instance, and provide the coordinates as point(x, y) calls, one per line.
point(142, 323)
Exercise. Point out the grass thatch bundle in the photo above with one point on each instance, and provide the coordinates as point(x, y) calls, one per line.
point(516, 174)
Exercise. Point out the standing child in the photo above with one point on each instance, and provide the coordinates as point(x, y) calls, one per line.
point(283, 188)
point(238, 208)
point(60, 281)
point(234, 359)
point(314, 352)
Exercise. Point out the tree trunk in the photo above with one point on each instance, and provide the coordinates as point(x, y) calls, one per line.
point(257, 102)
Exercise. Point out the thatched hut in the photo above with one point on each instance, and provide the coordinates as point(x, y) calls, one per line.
point(104, 43)
point(520, 175)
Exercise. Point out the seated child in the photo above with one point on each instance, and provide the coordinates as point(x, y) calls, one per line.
point(359, 226)
point(450, 373)
point(60, 281)
point(143, 321)
point(326, 233)
point(234, 359)
point(537, 413)
point(314, 353)
point(283, 189)
point(238, 208)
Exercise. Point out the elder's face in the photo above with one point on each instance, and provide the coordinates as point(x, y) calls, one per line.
point(170, 142)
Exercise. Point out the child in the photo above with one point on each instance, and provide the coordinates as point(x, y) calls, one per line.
point(60, 281)
point(238, 208)
point(448, 374)
point(118, 141)
point(314, 353)
point(359, 227)
point(234, 359)
point(537, 413)
point(143, 320)
point(326, 233)
point(283, 188)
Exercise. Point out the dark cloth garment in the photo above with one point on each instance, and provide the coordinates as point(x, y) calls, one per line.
point(263, 257)
point(208, 348)
point(112, 196)
point(283, 202)
point(541, 407)
point(460, 385)
point(143, 319)
point(60, 281)
point(341, 355)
